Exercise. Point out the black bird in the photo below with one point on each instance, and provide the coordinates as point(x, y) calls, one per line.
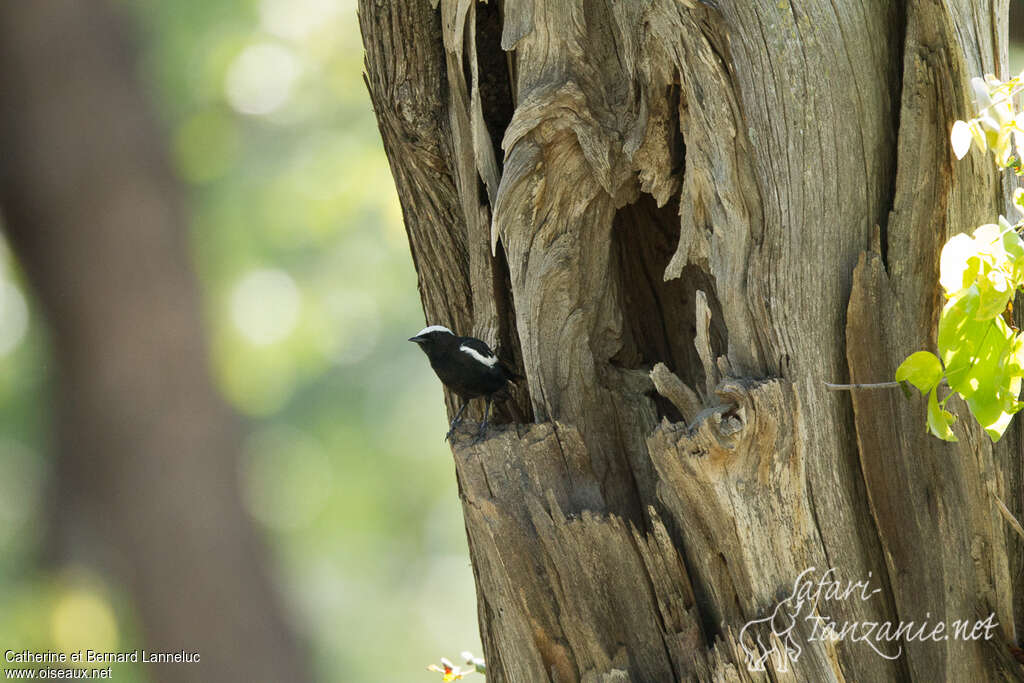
point(465, 365)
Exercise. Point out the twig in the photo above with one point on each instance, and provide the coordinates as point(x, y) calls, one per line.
point(1008, 516)
point(850, 387)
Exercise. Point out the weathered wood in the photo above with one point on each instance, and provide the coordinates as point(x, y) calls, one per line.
point(544, 520)
point(569, 590)
point(677, 392)
point(752, 544)
point(929, 498)
point(685, 193)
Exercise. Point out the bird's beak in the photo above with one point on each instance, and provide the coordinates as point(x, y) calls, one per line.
point(418, 340)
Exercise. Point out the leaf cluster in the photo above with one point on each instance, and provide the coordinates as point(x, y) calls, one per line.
point(980, 352)
point(997, 127)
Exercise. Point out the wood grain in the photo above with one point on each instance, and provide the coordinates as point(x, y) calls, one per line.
point(729, 203)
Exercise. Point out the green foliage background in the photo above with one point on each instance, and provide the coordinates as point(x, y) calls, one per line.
point(310, 295)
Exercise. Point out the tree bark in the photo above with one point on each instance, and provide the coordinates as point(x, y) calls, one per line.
point(681, 219)
point(146, 462)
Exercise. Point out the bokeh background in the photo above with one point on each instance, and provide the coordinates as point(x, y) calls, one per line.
point(309, 295)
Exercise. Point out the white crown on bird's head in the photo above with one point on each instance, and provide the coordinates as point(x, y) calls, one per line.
point(434, 328)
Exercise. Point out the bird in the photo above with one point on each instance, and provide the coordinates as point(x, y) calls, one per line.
point(465, 365)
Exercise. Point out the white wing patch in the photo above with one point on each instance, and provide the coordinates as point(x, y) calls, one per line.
point(489, 361)
point(434, 328)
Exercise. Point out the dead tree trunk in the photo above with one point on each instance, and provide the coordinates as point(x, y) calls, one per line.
point(680, 219)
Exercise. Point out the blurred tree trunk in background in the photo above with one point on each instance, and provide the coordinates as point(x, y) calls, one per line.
point(753, 194)
point(146, 478)
point(1017, 21)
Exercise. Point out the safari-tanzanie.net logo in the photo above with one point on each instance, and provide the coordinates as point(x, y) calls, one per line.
point(809, 602)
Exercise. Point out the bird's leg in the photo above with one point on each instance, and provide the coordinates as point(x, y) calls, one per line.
point(455, 423)
point(483, 425)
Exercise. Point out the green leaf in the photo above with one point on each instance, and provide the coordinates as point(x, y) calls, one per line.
point(1016, 360)
point(958, 264)
point(982, 360)
point(978, 135)
point(960, 333)
point(939, 420)
point(982, 92)
point(1002, 147)
point(994, 409)
point(994, 290)
point(970, 348)
point(1012, 243)
point(961, 139)
point(1018, 194)
point(987, 261)
point(922, 369)
point(989, 124)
